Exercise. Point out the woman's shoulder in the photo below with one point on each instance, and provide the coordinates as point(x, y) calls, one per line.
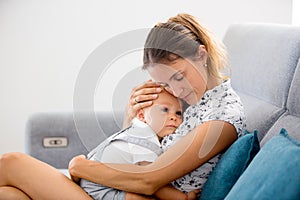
point(220, 103)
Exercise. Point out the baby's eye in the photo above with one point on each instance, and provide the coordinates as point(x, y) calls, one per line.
point(179, 113)
point(165, 109)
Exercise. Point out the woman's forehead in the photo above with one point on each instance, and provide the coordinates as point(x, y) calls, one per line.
point(162, 71)
point(172, 67)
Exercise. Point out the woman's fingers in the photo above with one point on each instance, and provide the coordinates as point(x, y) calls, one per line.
point(141, 105)
point(146, 92)
point(143, 98)
point(147, 84)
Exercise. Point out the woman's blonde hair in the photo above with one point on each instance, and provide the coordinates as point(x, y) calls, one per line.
point(180, 37)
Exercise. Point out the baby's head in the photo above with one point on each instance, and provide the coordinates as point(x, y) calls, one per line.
point(164, 115)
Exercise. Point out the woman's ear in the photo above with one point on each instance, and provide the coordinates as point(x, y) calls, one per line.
point(202, 53)
point(140, 115)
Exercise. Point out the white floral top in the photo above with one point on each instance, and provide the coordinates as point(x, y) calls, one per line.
point(219, 103)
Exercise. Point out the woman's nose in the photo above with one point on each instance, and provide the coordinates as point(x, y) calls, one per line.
point(176, 91)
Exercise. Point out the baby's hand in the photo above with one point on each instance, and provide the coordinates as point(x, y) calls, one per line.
point(193, 195)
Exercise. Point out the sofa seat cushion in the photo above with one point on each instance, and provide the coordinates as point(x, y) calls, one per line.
point(273, 173)
point(289, 122)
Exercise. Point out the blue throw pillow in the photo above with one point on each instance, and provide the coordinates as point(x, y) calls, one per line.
point(273, 174)
point(229, 168)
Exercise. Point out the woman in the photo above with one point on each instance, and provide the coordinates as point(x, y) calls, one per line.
point(182, 56)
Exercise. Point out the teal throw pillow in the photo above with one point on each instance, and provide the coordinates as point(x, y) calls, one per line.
point(273, 174)
point(229, 168)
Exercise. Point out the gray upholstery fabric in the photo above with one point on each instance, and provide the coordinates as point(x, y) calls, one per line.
point(293, 104)
point(291, 119)
point(289, 122)
point(263, 58)
point(48, 125)
point(256, 121)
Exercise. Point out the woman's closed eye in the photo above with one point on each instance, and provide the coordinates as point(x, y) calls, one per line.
point(179, 77)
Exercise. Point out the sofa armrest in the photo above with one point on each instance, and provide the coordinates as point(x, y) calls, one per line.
point(56, 138)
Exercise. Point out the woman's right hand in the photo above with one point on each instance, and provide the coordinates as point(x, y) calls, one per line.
point(74, 162)
point(141, 96)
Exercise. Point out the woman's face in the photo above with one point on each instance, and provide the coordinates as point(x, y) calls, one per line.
point(183, 78)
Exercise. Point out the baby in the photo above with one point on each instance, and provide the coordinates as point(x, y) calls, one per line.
point(139, 144)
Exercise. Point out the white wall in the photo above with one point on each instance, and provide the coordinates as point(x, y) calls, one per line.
point(296, 13)
point(43, 45)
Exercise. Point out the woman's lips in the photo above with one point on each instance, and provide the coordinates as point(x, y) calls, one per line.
point(186, 96)
point(171, 126)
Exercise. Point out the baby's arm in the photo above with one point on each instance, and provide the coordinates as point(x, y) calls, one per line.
point(169, 192)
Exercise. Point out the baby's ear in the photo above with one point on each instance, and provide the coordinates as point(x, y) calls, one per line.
point(140, 115)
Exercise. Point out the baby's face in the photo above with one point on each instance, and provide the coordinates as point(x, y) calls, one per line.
point(165, 115)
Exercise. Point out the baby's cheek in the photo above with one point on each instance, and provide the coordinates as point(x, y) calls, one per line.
point(158, 123)
point(157, 118)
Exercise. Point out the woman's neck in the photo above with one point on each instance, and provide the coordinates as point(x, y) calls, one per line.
point(212, 82)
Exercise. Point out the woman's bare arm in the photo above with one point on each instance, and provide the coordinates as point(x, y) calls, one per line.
point(196, 148)
point(168, 192)
point(134, 196)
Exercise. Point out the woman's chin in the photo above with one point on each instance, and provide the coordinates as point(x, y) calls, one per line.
point(191, 99)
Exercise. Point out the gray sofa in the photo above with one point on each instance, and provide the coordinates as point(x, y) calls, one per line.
point(265, 73)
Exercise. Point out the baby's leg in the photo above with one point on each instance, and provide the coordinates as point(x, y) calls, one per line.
point(37, 179)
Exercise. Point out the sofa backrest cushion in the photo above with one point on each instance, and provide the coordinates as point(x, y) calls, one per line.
point(56, 138)
point(290, 120)
point(293, 103)
point(263, 58)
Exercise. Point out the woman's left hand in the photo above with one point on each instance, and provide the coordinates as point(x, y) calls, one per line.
point(141, 96)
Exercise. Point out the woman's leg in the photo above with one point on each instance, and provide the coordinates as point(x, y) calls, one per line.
point(37, 179)
point(11, 193)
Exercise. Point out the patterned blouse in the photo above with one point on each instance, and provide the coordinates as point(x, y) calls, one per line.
point(219, 103)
